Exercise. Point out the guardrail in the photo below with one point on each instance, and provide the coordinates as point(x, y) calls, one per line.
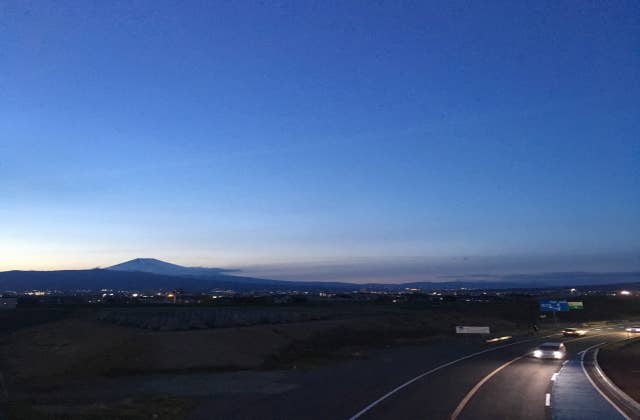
point(631, 405)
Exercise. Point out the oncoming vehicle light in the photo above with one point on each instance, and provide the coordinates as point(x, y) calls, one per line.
point(557, 354)
point(537, 353)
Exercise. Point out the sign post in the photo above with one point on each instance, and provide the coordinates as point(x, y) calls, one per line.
point(554, 306)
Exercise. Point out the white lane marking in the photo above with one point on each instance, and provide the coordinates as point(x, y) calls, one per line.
point(593, 384)
point(475, 389)
point(547, 399)
point(429, 372)
point(554, 376)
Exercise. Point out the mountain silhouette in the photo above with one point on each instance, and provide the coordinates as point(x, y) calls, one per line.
point(152, 265)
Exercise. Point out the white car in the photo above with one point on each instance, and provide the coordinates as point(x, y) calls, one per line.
point(633, 328)
point(550, 351)
point(573, 332)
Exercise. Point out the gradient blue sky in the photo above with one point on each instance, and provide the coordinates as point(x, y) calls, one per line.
point(268, 135)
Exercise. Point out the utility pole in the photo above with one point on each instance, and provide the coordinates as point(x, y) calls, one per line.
point(532, 318)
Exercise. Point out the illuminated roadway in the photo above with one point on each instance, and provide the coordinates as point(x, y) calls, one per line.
point(499, 384)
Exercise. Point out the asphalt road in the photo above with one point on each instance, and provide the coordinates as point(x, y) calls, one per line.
point(503, 384)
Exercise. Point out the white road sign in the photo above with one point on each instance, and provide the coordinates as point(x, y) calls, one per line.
point(472, 330)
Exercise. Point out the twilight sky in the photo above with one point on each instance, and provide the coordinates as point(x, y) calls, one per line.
point(322, 140)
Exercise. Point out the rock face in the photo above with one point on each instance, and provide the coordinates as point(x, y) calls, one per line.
point(188, 319)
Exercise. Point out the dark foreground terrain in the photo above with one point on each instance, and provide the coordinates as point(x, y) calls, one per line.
point(244, 361)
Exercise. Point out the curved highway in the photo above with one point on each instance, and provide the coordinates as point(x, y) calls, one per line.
point(496, 384)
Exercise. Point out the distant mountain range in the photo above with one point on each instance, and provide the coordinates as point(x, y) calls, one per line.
point(148, 274)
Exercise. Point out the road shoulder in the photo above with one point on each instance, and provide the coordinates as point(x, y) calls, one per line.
point(573, 396)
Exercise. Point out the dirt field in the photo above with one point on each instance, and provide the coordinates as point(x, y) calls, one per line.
point(41, 361)
point(78, 348)
point(84, 364)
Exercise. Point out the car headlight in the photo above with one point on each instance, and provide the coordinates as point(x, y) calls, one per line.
point(537, 353)
point(557, 354)
point(628, 329)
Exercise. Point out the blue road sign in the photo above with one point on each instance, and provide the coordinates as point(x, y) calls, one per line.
point(554, 305)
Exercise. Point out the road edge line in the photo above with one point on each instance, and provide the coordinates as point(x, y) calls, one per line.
point(477, 386)
point(614, 388)
point(437, 368)
point(593, 384)
point(475, 389)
